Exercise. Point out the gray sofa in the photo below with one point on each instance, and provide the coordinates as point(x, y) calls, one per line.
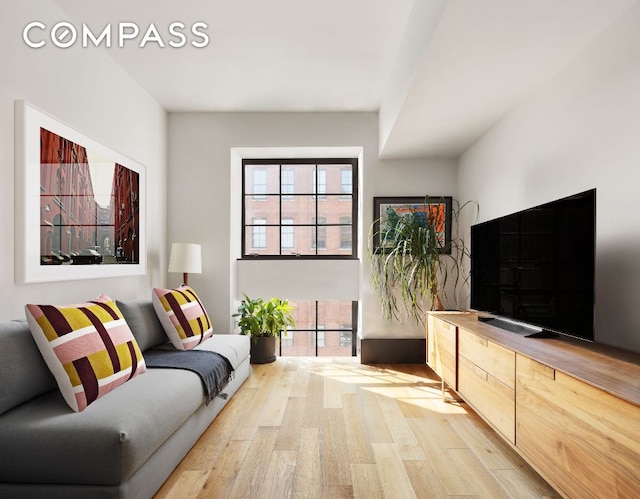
point(126, 443)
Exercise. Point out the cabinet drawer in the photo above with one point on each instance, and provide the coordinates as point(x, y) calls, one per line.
point(584, 441)
point(496, 360)
point(491, 398)
point(441, 344)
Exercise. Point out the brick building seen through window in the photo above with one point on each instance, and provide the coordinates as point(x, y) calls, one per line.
point(300, 208)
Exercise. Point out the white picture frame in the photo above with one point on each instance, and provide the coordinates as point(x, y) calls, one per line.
point(35, 248)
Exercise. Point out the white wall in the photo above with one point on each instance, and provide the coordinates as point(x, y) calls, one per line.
point(85, 89)
point(200, 199)
point(580, 131)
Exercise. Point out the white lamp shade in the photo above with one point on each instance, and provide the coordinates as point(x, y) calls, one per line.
point(185, 258)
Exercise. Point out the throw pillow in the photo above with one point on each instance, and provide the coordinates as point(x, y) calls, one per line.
point(182, 316)
point(88, 348)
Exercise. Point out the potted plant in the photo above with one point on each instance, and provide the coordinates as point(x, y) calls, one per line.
point(263, 321)
point(409, 272)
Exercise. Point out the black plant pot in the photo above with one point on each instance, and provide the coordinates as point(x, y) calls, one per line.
point(263, 349)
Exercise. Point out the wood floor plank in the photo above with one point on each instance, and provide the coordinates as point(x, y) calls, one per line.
point(315, 428)
point(492, 450)
point(308, 479)
point(300, 386)
point(332, 396)
point(213, 441)
point(522, 484)
point(254, 466)
point(273, 411)
point(424, 480)
point(335, 451)
point(478, 478)
point(366, 482)
point(337, 492)
point(263, 405)
point(375, 424)
point(393, 475)
point(292, 424)
point(222, 477)
point(406, 442)
point(278, 480)
point(188, 485)
point(314, 401)
point(360, 450)
point(435, 432)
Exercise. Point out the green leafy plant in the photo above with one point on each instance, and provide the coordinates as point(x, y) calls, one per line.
point(257, 317)
point(410, 271)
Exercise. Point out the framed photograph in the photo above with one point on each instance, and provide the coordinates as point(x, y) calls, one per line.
point(389, 211)
point(79, 206)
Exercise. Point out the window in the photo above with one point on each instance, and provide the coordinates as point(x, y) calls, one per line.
point(323, 328)
point(259, 231)
point(321, 336)
point(345, 338)
point(299, 208)
point(286, 233)
point(319, 236)
point(287, 184)
point(346, 183)
point(259, 184)
point(346, 233)
point(320, 184)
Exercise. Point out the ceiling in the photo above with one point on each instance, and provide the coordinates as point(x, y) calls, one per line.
point(440, 72)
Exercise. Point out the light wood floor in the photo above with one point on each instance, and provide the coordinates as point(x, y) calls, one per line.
point(332, 428)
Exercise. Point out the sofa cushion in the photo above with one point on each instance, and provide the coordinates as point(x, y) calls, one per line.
point(23, 373)
point(104, 444)
point(88, 347)
point(235, 347)
point(183, 316)
point(143, 322)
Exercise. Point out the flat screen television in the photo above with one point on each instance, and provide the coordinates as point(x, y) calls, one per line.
point(533, 271)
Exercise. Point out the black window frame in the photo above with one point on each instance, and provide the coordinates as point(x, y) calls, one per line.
point(319, 197)
point(320, 327)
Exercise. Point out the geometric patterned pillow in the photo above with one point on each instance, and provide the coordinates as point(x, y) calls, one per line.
point(183, 316)
point(88, 347)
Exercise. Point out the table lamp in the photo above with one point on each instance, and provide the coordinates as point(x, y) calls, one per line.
point(185, 258)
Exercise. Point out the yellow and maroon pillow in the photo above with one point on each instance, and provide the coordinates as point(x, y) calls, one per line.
point(88, 347)
point(182, 316)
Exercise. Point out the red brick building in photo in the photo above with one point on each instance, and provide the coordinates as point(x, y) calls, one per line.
point(72, 222)
point(125, 195)
point(68, 210)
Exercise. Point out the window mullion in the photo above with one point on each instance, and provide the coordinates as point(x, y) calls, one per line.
point(280, 214)
point(317, 197)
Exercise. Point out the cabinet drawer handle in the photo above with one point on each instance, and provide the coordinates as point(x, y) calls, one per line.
point(480, 372)
point(482, 341)
point(546, 371)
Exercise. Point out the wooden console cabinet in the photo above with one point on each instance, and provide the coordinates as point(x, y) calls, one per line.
point(486, 380)
point(571, 409)
point(441, 350)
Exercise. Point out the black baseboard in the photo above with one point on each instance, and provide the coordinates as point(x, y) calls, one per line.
point(393, 351)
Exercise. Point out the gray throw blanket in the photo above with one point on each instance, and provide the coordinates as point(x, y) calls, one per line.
point(214, 369)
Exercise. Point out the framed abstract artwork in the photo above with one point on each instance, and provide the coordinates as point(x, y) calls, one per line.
point(388, 212)
point(79, 206)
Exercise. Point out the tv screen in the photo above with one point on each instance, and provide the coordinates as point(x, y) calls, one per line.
point(537, 266)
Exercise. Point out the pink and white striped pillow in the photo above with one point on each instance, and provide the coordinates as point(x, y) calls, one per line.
point(182, 316)
point(88, 347)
